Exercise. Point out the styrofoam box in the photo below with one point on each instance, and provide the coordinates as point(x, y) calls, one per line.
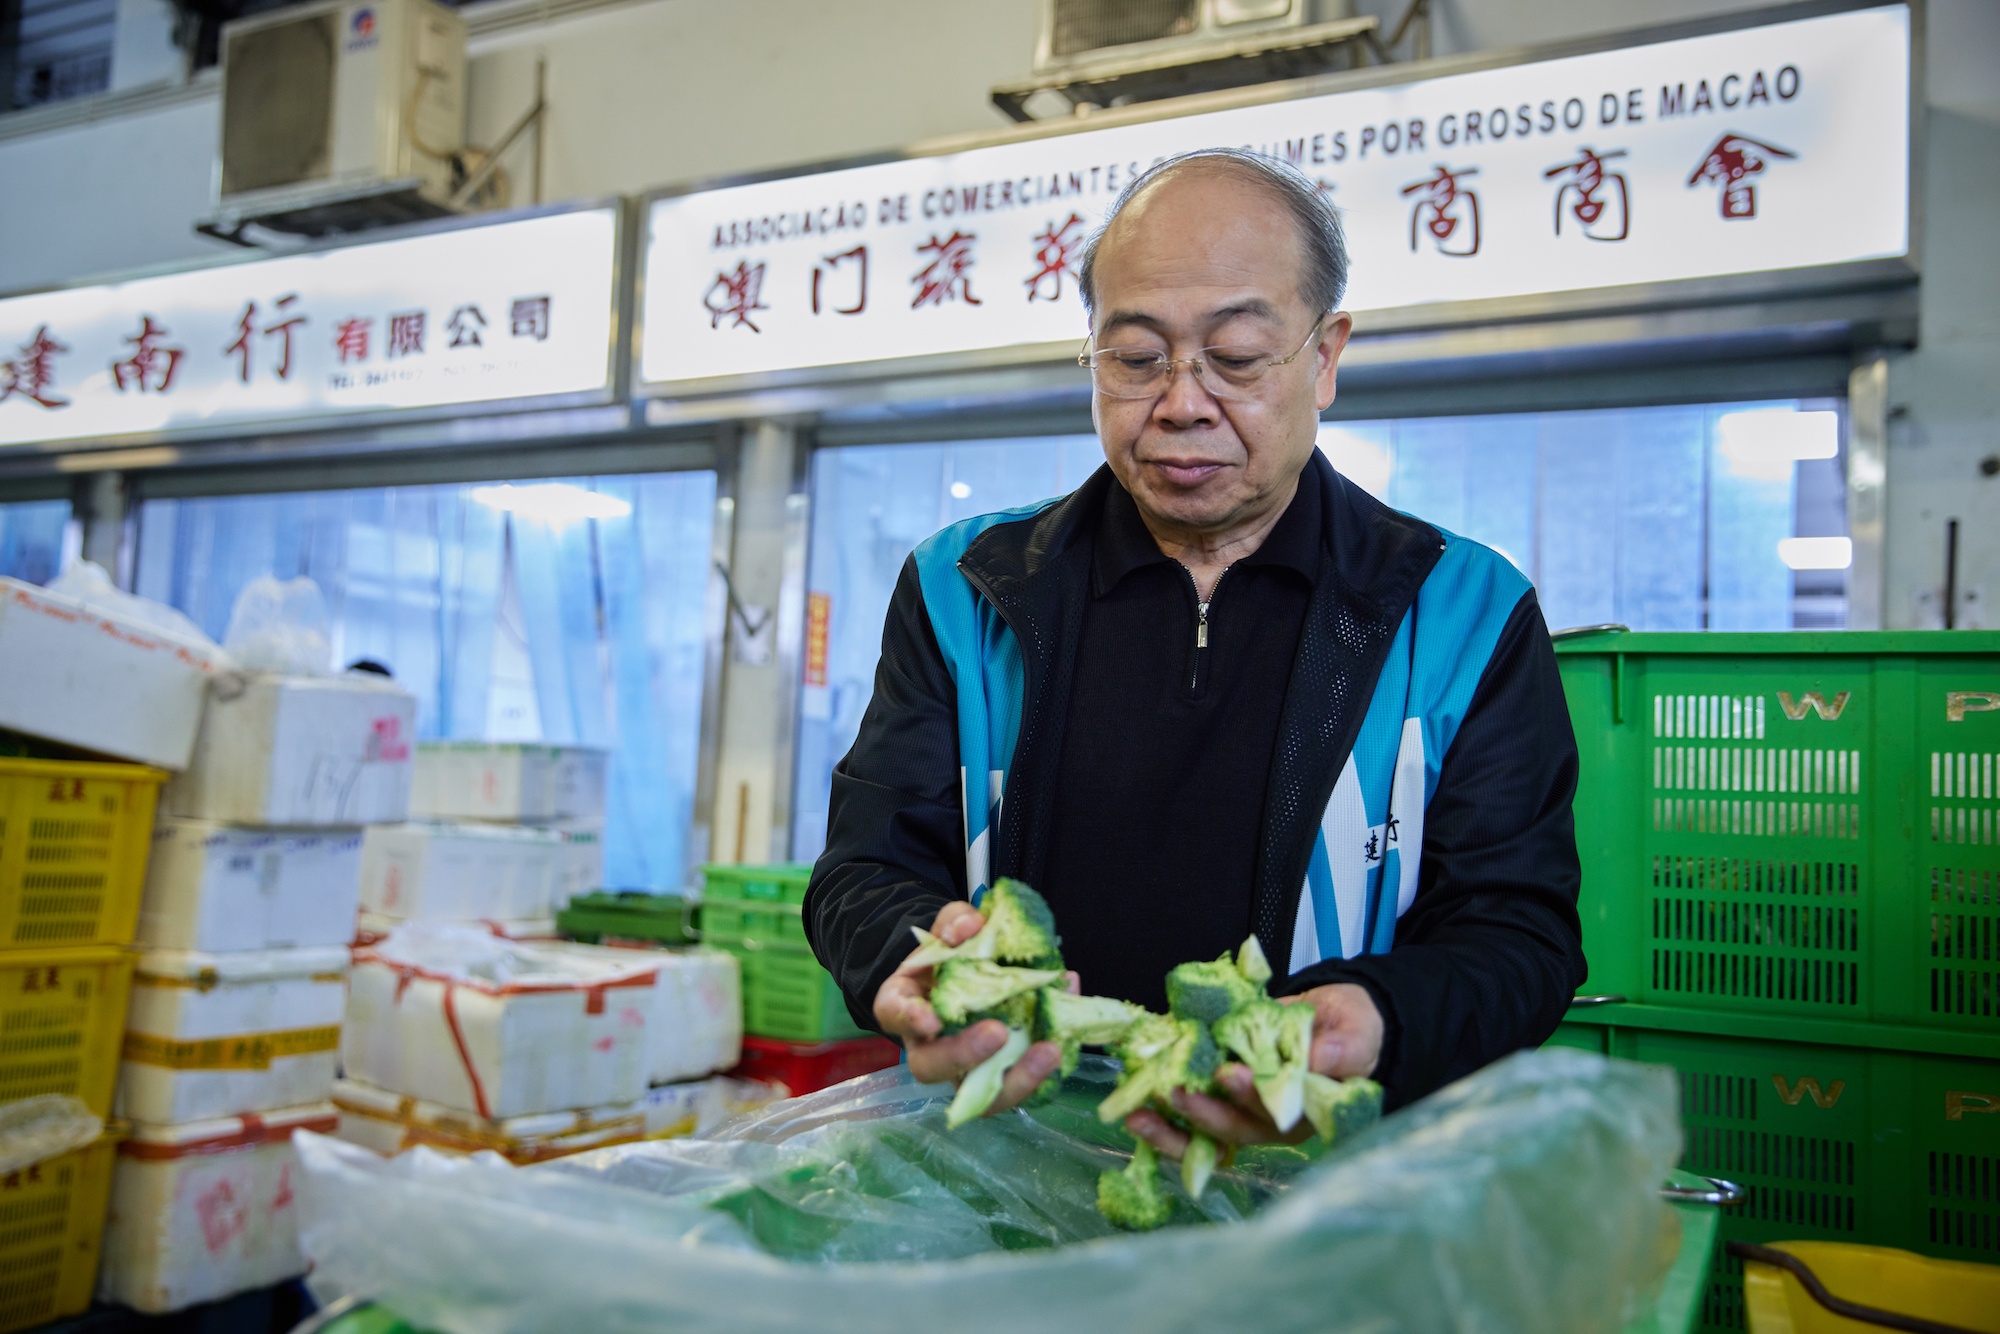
point(388, 1123)
point(373, 926)
point(213, 1035)
point(299, 750)
point(216, 887)
point(499, 1028)
point(697, 1021)
point(580, 867)
point(506, 781)
point(204, 1210)
point(82, 679)
point(460, 872)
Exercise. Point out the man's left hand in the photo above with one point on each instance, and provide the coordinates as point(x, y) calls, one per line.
point(1347, 1042)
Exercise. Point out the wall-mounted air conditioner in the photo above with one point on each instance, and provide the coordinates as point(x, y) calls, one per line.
point(335, 99)
point(1076, 34)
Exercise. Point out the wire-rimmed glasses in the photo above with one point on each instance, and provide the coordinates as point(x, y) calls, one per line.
point(1225, 372)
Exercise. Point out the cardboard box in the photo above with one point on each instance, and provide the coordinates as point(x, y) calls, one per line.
point(222, 888)
point(299, 750)
point(203, 1210)
point(460, 872)
point(211, 1035)
point(508, 782)
point(81, 679)
point(498, 1028)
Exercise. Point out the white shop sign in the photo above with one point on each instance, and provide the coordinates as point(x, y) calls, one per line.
point(1776, 147)
point(513, 310)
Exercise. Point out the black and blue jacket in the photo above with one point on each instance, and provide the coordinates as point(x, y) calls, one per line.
point(1416, 837)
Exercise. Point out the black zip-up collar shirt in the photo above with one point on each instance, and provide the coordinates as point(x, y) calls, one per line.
point(1168, 746)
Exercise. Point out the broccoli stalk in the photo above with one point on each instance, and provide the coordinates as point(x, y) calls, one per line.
point(1160, 1053)
point(1132, 1199)
point(967, 990)
point(1197, 1163)
point(982, 1086)
point(1338, 1107)
point(1075, 1022)
point(1275, 1041)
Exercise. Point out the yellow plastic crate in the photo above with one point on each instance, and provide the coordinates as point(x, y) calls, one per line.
point(74, 837)
point(62, 1022)
point(1953, 1293)
point(51, 1230)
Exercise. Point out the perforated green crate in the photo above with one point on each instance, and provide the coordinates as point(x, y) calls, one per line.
point(752, 922)
point(781, 882)
point(786, 994)
point(1832, 1143)
point(1800, 826)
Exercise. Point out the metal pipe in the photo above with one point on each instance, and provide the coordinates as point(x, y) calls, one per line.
point(1951, 574)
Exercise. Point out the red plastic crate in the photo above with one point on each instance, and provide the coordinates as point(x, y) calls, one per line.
point(808, 1067)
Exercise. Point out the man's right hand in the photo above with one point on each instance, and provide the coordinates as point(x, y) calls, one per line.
point(903, 1009)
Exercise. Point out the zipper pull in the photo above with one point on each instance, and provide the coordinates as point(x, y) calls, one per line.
point(1201, 628)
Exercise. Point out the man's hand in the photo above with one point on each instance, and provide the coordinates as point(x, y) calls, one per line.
point(1347, 1042)
point(903, 1009)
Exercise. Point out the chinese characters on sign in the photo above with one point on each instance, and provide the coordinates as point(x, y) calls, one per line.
point(1560, 175)
point(448, 317)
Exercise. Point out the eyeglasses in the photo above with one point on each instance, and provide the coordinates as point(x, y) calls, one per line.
point(1225, 372)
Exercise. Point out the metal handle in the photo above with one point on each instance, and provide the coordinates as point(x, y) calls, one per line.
point(1577, 631)
point(1585, 1002)
point(1718, 1192)
point(688, 928)
point(331, 1313)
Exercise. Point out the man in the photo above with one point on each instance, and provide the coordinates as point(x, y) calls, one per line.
point(1218, 689)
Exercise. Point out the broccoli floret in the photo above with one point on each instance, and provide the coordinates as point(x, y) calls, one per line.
point(1160, 1054)
point(982, 1086)
point(1023, 928)
point(1132, 1199)
point(1207, 991)
point(1275, 1041)
point(1074, 1022)
point(1339, 1107)
point(968, 989)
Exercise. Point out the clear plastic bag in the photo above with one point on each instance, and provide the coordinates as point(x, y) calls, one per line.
point(34, 1130)
point(1521, 1198)
point(87, 582)
point(280, 627)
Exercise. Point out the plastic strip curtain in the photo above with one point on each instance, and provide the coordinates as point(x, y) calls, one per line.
point(31, 539)
point(414, 578)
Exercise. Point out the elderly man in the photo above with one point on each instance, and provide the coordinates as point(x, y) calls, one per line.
point(1218, 689)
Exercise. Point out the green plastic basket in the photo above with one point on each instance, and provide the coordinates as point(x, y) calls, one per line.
point(754, 912)
point(1832, 1143)
point(663, 918)
point(1799, 826)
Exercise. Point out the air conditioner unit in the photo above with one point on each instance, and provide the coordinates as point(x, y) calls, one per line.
point(338, 101)
point(1077, 34)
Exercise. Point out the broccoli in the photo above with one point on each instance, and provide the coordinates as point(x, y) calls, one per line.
point(982, 1086)
point(1250, 961)
point(1161, 1054)
point(1207, 991)
point(1132, 1199)
point(967, 990)
point(1019, 929)
point(1275, 1041)
point(1197, 1163)
point(1338, 1107)
point(1076, 1022)
point(1024, 930)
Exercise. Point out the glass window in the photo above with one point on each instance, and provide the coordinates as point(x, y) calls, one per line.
point(564, 612)
point(31, 539)
point(1716, 516)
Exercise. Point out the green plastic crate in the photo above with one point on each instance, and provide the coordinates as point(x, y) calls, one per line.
point(1799, 826)
point(782, 882)
point(1833, 1143)
point(752, 923)
point(663, 918)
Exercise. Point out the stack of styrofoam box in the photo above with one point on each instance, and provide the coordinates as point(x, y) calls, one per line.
point(463, 1040)
point(232, 1040)
point(506, 834)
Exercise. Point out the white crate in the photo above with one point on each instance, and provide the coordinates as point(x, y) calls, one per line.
point(580, 866)
point(697, 1018)
point(373, 926)
point(508, 782)
point(460, 872)
point(83, 679)
point(457, 1016)
point(203, 1210)
point(212, 1035)
point(217, 888)
point(299, 750)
